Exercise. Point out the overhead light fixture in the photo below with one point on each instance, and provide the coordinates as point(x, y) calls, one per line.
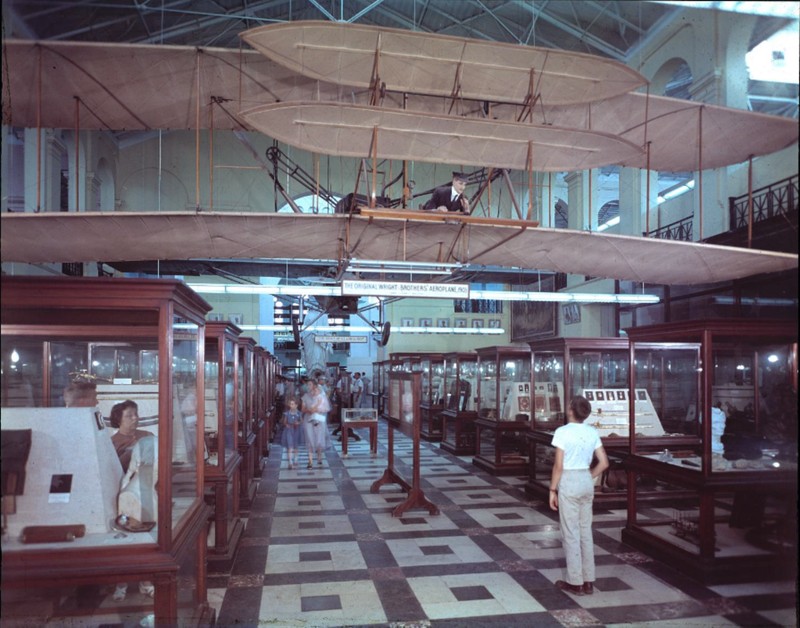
point(476, 331)
point(242, 288)
point(565, 297)
point(386, 266)
point(457, 293)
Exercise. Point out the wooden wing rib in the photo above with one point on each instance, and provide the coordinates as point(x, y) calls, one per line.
point(421, 63)
point(348, 131)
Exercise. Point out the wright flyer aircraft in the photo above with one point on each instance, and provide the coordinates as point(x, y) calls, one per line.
point(372, 93)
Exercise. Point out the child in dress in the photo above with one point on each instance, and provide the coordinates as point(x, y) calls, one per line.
point(292, 437)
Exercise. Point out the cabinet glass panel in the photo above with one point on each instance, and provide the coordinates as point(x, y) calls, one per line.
point(548, 390)
point(505, 383)
point(667, 391)
point(185, 487)
point(212, 393)
point(23, 372)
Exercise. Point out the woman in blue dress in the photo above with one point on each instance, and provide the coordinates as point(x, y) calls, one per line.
point(293, 436)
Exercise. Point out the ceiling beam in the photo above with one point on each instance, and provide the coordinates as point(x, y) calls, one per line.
point(589, 40)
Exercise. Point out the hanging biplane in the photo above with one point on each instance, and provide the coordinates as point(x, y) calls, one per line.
point(394, 94)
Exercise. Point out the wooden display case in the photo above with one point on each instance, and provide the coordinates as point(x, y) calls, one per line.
point(504, 410)
point(383, 393)
point(431, 366)
point(222, 474)
point(50, 326)
point(375, 393)
point(740, 519)
point(598, 368)
point(264, 399)
point(245, 402)
point(459, 413)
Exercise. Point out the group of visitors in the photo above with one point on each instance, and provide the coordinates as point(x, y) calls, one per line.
point(305, 423)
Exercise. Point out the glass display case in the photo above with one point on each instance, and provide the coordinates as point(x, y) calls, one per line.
point(739, 518)
point(598, 369)
point(221, 436)
point(504, 409)
point(263, 401)
point(459, 413)
point(431, 366)
point(77, 527)
point(245, 403)
point(375, 392)
point(405, 361)
point(383, 397)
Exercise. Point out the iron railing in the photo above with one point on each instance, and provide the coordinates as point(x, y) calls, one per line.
point(678, 230)
point(776, 199)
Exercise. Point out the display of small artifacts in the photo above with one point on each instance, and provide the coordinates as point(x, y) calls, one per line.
point(611, 413)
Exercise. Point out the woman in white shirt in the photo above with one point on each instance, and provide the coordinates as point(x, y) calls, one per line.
point(572, 493)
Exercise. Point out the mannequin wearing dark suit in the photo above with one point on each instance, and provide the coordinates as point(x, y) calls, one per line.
point(451, 197)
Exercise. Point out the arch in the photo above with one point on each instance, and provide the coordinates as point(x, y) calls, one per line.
point(674, 78)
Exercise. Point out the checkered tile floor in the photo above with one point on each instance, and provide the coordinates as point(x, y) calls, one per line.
point(320, 549)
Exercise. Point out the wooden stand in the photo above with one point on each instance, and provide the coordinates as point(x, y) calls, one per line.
point(352, 419)
point(404, 415)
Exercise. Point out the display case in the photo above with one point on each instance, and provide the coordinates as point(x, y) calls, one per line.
point(407, 362)
point(504, 410)
point(431, 365)
point(383, 397)
point(375, 393)
point(739, 520)
point(74, 527)
point(264, 399)
point(459, 413)
point(598, 368)
point(221, 435)
point(245, 403)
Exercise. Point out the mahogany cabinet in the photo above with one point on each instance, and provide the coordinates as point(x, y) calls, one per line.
point(144, 340)
point(460, 389)
point(504, 410)
point(739, 519)
point(223, 461)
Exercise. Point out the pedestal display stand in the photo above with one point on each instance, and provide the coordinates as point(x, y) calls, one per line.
point(404, 415)
point(360, 417)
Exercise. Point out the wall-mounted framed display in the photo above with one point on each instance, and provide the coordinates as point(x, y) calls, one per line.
point(532, 320)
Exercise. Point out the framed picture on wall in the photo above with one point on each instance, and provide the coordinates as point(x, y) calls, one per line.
point(426, 322)
point(215, 316)
point(477, 323)
point(494, 323)
point(236, 319)
point(406, 322)
point(460, 322)
point(572, 313)
point(531, 320)
point(443, 322)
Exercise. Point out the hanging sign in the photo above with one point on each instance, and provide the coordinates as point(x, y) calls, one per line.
point(405, 289)
point(350, 339)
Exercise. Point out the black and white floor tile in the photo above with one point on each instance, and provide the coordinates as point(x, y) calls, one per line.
point(320, 549)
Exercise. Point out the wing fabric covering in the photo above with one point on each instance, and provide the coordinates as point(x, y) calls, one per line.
point(129, 236)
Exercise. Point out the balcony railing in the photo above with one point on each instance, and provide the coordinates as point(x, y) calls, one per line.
point(777, 199)
point(678, 230)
